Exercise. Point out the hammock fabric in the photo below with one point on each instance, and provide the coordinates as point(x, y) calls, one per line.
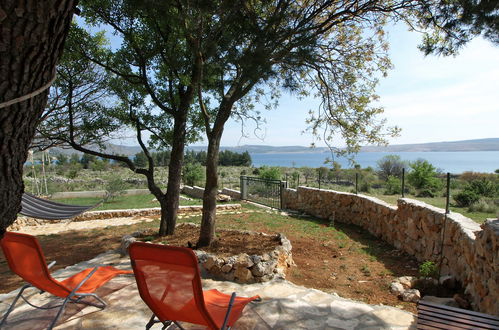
point(39, 208)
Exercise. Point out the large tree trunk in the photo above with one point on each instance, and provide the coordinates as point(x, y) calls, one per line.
point(32, 37)
point(169, 211)
point(207, 233)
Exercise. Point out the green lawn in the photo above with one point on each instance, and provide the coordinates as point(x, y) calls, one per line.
point(123, 202)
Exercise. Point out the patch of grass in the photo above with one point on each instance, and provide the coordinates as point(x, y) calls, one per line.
point(123, 202)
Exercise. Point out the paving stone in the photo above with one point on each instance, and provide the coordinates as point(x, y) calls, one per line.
point(284, 306)
point(394, 316)
point(336, 323)
point(345, 309)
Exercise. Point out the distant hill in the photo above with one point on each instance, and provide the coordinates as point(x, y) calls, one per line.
point(491, 144)
point(465, 145)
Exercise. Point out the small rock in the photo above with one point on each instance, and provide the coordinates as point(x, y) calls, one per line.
point(226, 268)
point(396, 288)
point(243, 261)
point(243, 275)
point(209, 263)
point(407, 281)
point(411, 295)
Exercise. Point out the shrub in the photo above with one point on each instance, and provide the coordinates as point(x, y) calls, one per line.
point(428, 269)
point(424, 176)
point(465, 198)
point(483, 206)
point(193, 173)
point(114, 188)
point(393, 185)
point(483, 187)
point(390, 165)
point(426, 193)
point(270, 173)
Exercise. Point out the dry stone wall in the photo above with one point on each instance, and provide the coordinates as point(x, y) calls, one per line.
point(470, 250)
point(109, 214)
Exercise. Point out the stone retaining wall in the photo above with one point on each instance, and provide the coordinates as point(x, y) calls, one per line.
point(234, 194)
point(108, 214)
point(471, 251)
point(196, 192)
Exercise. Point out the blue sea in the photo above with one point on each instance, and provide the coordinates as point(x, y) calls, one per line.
point(453, 162)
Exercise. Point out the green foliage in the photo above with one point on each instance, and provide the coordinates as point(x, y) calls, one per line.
point(115, 187)
point(62, 159)
point(74, 159)
point(193, 174)
point(393, 185)
point(140, 159)
point(428, 269)
point(86, 159)
point(423, 177)
point(466, 198)
point(390, 165)
point(483, 187)
point(484, 206)
point(270, 173)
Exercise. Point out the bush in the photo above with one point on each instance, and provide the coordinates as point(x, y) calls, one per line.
point(483, 206)
point(428, 269)
point(465, 198)
point(114, 188)
point(393, 185)
point(424, 177)
point(193, 173)
point(390, 165)
point(270, 173)
point(483, 187)
point(426, 193)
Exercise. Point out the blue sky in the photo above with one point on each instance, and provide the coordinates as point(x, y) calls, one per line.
point(431, 98)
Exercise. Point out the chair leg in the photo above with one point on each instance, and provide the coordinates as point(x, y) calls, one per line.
point(59, 313)
point(4, 319)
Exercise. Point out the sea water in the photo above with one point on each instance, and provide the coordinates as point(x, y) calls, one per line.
point(453, 162)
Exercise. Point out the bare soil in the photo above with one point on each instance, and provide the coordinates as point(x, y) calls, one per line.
point(360, 268)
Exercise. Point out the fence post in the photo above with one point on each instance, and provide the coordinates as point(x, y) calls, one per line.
point(243, 187)
point(447, 194)
point(283, 186)
point(403, 182)
point(356, 183)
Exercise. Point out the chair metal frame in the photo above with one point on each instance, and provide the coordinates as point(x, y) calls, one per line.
point(73, 296)
point(167, 323)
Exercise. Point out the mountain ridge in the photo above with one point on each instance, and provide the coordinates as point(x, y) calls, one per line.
point(489, 144)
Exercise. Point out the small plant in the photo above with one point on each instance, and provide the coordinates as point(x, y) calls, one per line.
point(483, 206)
point(114, 188)
point(365, 269)
point(428, 269)
point(466, 198)
point(393, 186)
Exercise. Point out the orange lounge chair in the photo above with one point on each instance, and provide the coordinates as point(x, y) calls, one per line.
point(169, 283)
point(25, 258)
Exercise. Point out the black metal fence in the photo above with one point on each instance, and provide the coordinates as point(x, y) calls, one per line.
point(262, 191)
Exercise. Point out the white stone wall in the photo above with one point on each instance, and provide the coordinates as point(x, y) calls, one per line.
point(196, 192)
point(234, 194)
point(471, 251)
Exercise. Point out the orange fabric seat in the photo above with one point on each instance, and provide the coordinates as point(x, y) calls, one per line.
point(169, 282)
point(25, 258)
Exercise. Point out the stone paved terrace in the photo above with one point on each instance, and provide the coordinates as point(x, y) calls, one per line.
point(284, 306)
